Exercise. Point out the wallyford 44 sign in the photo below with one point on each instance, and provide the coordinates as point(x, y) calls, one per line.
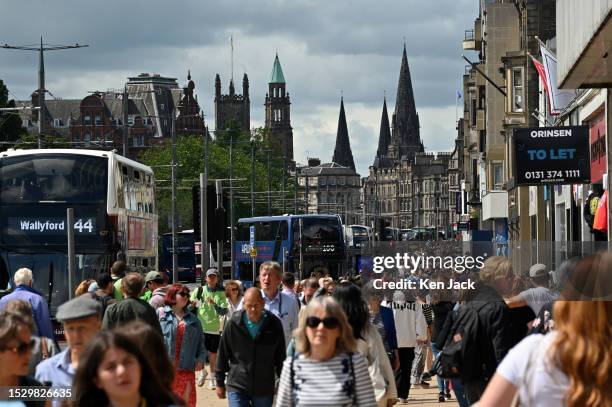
point(552, 155)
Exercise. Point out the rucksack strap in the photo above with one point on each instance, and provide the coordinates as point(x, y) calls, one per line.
point(199, 293)
point(352, 370)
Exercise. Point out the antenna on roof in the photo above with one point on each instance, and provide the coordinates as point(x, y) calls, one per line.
point(232, 55)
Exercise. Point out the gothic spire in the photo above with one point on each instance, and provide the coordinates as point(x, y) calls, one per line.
point(384, 136)
point(276, 76)
point(405, 119)
point(342, 152)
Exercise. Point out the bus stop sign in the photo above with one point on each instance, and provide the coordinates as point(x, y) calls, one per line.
point(252, 241)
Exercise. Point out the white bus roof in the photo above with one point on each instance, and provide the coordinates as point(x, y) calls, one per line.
point(76, 151)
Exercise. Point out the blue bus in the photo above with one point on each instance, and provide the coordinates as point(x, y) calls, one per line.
point(185, 251)
point(317, 240)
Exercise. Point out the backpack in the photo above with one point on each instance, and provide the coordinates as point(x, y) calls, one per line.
point(463, 353)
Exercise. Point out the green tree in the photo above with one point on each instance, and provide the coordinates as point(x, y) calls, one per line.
point(190, 155)
point(10, 122)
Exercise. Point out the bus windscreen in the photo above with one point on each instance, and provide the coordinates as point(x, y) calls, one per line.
point(79, 179)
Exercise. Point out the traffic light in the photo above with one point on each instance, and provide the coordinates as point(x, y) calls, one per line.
point(215, 220)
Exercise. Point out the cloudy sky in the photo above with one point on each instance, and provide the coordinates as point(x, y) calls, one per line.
point(325, 47)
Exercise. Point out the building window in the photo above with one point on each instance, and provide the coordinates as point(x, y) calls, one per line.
point(162, 106)
point(98, 120)
point(498, 176)
point(57, 122)
point(130, 121)
point(87, 119)
point(87, 138)
point(517, 89)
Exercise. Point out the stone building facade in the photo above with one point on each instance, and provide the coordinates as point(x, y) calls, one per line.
point(332, 187)
point(278, 113)
point(232, 107)
point(405, 187)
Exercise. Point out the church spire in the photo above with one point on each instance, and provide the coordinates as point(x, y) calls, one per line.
point(384, 136)
point(276, 76)
point(405, 119)
point(342, 152)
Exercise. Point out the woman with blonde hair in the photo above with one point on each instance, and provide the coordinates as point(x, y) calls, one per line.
point(326, 370)
point(571, 365)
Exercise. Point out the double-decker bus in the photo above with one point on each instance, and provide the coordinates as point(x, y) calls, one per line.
point(114, 216)
point(357, 236)
point(317, 240)
point(185, 254)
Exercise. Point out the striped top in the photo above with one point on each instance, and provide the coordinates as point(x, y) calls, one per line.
point(325, 383)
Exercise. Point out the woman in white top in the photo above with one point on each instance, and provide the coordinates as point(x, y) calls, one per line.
point(326, 371)
point(233, 293)
point(570, 366)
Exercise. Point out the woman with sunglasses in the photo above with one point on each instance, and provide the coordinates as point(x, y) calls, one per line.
point(15, 351)
point(184, 341)
point(326, 370)
point(233, 293)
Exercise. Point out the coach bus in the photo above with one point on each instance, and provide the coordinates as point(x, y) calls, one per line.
point(317, 240)
point(114, 216)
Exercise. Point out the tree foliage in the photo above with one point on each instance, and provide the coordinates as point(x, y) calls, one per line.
point(190, 157)
point(10, 122)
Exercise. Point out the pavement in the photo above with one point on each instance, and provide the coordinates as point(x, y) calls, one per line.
point(418, 397)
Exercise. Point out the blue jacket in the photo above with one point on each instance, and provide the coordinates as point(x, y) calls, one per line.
point(386, 314)
point(192, 346)
point(40, 309)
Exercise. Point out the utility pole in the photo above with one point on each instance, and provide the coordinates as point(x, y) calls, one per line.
point(269, 186)
point(307, 194)
point(125, 106)
point(252, 175)
point(284, 182)
point(295, 192)
point(204, 206)
point(231, 186)
point(41, 76)
point(219, 190)
point(174, 226)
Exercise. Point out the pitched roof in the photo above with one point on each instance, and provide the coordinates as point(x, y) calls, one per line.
point(276, 76)
point(342, 152)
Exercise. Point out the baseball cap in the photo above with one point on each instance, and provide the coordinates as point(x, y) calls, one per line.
point(538, 270)
point(210, 272)
point(154, 276)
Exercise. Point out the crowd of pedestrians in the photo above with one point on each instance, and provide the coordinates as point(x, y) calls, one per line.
point(319, 341)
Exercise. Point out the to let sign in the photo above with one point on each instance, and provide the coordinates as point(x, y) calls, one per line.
point(552, 155)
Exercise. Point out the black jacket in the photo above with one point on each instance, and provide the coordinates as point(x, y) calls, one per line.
point(128, 310)
point(496, 320)
point(251, 364)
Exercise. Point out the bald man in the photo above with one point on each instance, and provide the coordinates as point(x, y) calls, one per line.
point(253, 347)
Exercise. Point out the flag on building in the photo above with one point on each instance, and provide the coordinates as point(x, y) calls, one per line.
point(558, 99)
point(458, 95)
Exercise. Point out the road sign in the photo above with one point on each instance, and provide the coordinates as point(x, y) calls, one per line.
point(252, 235)
point(253, 251)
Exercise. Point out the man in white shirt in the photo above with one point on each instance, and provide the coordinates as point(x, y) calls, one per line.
point(285, 307)
point(411, 329)
point(536, 297)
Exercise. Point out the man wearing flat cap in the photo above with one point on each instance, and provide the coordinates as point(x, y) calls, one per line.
point(81, 318)
point(536, 297)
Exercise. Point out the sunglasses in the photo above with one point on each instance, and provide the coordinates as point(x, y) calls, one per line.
point(233, 289)
point(329, 322)
point(22, 348)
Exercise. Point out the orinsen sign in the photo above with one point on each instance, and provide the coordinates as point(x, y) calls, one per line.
point(552, 155)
